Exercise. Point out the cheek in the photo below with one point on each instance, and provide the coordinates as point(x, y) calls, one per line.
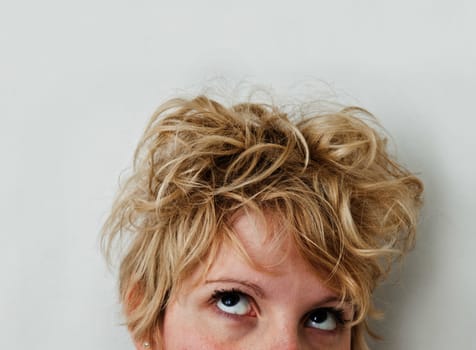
point(183, 330)
point(339, 341)
point(346, 342)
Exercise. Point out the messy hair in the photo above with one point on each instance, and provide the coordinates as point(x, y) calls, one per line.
point(350, 208)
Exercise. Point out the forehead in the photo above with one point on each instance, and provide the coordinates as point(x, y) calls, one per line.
point(265, 241)
point(274, 263)
point(264, 238)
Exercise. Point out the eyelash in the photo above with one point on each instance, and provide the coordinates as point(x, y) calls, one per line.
point(337, 313)
point(219, 293)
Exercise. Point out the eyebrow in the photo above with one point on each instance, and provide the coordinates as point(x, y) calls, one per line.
point(331, 299)
point(257, 289)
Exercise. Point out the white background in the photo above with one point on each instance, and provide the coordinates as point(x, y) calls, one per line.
point(78, 81)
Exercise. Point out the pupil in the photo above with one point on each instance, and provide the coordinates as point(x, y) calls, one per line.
point(319, 316)
point(230, 299)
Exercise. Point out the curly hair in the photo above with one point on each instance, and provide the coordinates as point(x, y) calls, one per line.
point(350, 207)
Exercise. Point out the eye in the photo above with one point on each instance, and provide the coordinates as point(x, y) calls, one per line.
point(326, 319)
point(232, 302)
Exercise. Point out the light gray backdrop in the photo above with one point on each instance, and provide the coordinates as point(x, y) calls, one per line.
point(78, 80)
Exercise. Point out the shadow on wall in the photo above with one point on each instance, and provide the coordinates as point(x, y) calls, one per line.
point(403, 295)
point(398, 296)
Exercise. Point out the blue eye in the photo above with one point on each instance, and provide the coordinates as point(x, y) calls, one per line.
point(232, 302)
point(325, 319)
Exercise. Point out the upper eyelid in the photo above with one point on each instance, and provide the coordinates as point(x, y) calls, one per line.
point(257, 290)
point(220, 292)
point(338, 313)
point(345, 307)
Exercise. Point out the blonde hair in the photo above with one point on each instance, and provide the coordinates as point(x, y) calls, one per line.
point(350, 208)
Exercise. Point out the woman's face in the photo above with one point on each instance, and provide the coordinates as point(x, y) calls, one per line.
point(236, 306)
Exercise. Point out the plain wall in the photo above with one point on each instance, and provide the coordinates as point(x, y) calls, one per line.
point(78, 81)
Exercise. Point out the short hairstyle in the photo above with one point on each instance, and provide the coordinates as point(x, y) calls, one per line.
point(350, 208)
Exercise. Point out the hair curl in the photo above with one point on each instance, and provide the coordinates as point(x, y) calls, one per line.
point(350, 207)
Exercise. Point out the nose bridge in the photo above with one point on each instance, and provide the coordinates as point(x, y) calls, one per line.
point(284, 335)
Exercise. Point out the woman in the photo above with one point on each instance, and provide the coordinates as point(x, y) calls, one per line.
point(247, 229)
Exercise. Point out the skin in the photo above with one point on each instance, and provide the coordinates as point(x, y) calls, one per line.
point(265, 308)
